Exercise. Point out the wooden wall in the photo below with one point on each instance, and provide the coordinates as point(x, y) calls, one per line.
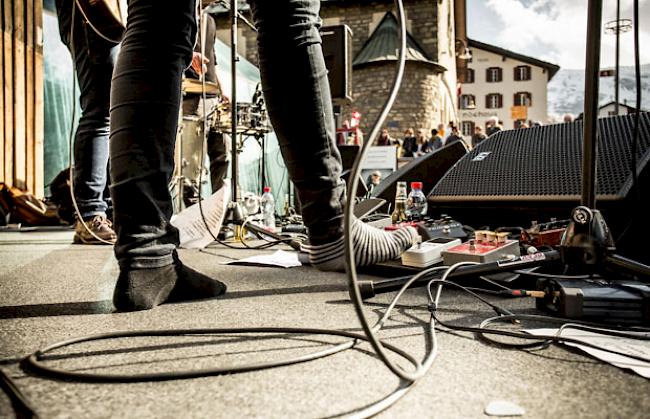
point(21, 123)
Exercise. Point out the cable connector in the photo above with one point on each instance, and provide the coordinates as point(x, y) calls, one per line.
point(432, 307)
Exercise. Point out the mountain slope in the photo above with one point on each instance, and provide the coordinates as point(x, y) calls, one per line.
point(566, 90)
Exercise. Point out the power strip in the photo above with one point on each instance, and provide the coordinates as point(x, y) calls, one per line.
point(428, 253)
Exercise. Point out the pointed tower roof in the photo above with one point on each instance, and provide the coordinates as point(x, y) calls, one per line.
point(383, 44)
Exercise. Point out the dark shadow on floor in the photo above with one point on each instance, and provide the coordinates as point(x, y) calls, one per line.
point(57, 309)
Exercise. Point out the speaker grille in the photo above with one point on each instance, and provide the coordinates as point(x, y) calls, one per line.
point(545, 163)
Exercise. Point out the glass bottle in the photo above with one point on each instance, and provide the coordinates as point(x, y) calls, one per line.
point(399, 214)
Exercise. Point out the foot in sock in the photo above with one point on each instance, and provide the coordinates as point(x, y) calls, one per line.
point(371, 246)
point(143, 289)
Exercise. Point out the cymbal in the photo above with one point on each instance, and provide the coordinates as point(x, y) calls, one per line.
point(193, 86)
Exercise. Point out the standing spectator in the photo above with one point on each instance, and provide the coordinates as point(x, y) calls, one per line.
point(568, 118)
point(373, 180)
point(385, 139)
point(409, 143)
point(493, 126)
point(453, 136)
point(478, 136)
point(435, 141)
point(442, 133)
point(423, 146)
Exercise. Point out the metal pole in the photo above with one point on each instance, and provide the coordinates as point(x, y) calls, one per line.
point(590, 131)
point(618, 35)
point(233, 97)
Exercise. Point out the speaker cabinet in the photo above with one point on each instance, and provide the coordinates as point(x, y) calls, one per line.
point(337, 50)
point(518, 176)
point(428, 169)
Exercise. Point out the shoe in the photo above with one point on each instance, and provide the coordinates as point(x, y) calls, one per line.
point(100, 226)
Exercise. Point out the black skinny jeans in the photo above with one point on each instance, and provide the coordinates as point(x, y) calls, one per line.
point(145, 100)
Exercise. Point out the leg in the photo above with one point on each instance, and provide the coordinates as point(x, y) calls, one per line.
point(218, 155)
point(299, 103)
point(145, 100)
point(94, 59)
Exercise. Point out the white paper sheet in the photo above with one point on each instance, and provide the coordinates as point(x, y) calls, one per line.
point(625, 345)
point(279, 258)
point(192, 229)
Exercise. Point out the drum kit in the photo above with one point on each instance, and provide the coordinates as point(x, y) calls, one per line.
point(190, 173)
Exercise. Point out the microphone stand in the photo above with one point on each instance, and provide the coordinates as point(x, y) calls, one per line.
point(587, 245)
point(235, 212)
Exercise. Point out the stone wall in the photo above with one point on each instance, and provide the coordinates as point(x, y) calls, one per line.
point(419, 101)
point(416, 103)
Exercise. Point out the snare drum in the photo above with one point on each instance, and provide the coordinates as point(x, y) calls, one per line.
point(190, 142)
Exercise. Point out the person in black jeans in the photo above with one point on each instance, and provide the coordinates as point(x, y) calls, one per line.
point(145, 99)
point(94, 58)
point(192, 103)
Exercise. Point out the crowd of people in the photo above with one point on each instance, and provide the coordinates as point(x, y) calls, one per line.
point(418, 143)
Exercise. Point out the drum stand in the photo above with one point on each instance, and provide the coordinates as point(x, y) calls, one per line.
point(235, 213)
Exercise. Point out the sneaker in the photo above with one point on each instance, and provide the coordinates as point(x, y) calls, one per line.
point(100, 226)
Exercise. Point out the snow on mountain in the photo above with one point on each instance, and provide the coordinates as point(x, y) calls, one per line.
point(566, 90)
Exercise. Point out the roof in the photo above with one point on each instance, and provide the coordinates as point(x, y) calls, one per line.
point(625, 105)
point(383, 45)
point(551, 68)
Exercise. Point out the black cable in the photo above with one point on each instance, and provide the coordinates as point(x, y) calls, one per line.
point(504, 316)
point(22, 405)
point(408, 378)
point(34, 360)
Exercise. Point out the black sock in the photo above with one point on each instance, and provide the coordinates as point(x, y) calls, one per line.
point(143, 289)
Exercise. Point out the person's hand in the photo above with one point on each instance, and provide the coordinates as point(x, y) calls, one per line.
point(199, 62)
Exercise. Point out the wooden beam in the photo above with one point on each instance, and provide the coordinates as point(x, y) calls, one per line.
point(8, 88)
point(29, 95)
point(39, 170)
point(2, 95)
point(20, 169)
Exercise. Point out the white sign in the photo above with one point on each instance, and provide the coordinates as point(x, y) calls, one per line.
point(380, 157)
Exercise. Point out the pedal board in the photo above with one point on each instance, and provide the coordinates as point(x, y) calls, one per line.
point(444, 227)
point(481, 252)
point(428, 253)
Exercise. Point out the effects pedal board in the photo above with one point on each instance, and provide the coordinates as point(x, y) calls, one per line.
point(487, 247)
point(444, 227)
point(428, 253)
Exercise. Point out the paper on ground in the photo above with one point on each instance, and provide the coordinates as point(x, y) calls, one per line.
point(192, 229)
point(279, 258)
point(625, 345)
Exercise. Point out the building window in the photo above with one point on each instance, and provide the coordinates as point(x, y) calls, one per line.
point(469, 75)
point(467, 128)
point(467, 101)
point(494, 101)
point(522, 73)
point(523, 99)
point(494, 74)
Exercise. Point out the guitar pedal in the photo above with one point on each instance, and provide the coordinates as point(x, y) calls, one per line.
point(445, 227)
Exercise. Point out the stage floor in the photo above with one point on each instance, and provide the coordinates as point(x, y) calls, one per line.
point(52, 290)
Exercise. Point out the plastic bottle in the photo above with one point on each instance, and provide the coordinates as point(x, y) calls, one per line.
point(268, 209)
point(416, 203)
point(399, 214)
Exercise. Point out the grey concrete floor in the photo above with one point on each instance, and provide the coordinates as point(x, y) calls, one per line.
point(51, 290)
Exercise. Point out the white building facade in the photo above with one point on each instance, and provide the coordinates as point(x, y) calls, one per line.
point(502, 83)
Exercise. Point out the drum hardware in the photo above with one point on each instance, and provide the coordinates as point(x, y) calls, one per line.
point(195, 87)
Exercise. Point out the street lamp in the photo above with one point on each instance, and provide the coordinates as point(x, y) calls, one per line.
point(617, 27)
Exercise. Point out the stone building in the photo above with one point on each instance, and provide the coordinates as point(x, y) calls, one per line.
point(428, 93)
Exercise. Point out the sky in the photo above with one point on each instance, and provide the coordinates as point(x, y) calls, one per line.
point(555, 30)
